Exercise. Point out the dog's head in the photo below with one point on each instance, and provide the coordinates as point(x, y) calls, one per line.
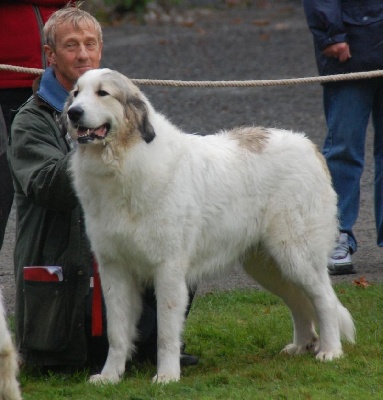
point(106, 107)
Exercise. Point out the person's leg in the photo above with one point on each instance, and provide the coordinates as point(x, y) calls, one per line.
point(347, 107)
point(377, 119)
point(146, 345)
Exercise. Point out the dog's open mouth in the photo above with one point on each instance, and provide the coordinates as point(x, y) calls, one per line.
point(86, 135)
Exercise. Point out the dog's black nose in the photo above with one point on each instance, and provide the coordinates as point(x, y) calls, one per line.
point(75, 113)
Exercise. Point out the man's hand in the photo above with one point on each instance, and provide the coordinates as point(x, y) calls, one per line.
point(341, 51)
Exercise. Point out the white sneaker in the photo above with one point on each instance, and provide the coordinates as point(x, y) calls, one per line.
point(340, 262)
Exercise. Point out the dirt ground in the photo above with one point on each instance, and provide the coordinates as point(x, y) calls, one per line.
point(268, 40)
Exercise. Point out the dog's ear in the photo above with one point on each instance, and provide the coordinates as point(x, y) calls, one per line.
point(144, 125)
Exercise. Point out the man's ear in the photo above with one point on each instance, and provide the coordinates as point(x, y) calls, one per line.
point(50, 53)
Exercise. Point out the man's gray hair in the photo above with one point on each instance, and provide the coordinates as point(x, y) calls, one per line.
point(72, 14)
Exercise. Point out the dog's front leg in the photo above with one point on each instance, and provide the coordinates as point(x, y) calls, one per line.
point(172, 299)
point(123, 307)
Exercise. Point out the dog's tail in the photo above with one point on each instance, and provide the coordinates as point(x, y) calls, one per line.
point(346, 324)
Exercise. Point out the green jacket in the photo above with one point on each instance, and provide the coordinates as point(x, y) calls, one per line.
point(50, 316)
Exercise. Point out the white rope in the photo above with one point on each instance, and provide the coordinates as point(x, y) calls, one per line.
point(245, 83)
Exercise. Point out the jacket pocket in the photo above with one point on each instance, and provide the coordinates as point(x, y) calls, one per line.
point(362, 14)
point(46, 322)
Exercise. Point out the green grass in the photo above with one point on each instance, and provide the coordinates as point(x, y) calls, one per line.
point(238, 336)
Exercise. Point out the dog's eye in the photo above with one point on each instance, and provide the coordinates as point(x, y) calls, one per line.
point(102, 93)
point(75, 93)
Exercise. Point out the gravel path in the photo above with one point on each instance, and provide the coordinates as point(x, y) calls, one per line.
point(269, 40)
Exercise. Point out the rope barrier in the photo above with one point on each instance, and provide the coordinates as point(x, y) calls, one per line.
point(222, 84)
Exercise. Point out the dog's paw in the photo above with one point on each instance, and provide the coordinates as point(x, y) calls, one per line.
point(100, 379)
point(310, 346)
point(329, 355)
point(162, 378)
point(294, 349)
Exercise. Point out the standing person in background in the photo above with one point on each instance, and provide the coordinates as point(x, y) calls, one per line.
point(21, 44)
point(348, 37)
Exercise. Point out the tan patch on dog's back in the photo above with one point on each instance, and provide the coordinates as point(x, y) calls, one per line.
point(253, 139)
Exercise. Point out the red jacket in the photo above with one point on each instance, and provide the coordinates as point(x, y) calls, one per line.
point(21, 24)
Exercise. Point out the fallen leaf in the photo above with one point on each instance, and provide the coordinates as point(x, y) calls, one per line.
point(361, 282)
point(232, 3)
point(282, 26)
point(264, 36)
point(261, 22)
point(187, 23)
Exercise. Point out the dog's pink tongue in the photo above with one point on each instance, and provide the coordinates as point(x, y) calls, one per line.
point(100, 132)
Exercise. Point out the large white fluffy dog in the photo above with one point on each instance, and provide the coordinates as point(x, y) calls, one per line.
point(166, 208)
point(9, 387)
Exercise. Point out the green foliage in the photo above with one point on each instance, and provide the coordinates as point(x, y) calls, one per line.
point(238, 336)
point(128, 5)
point(112, 11)
point(138, 6)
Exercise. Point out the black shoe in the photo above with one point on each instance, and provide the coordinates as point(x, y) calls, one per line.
point(188, 359)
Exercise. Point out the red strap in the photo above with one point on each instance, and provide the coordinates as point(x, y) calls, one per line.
point(96, 302)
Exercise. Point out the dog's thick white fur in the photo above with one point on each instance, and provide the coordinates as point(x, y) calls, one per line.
point(9, 386)
point(167, 208)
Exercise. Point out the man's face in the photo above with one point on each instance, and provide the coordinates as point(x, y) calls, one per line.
point(77, 51)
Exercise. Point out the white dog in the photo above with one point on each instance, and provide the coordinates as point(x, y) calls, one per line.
point(166, 208)
point(9, 387)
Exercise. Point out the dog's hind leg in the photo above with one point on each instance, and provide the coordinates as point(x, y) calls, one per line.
point(267, 274)
point(307, 267)
point(123, 306)
point(172, 300)
point(334, 319)
point(304, 268)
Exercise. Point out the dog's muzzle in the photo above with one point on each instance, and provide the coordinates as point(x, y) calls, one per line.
point(86, 134)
